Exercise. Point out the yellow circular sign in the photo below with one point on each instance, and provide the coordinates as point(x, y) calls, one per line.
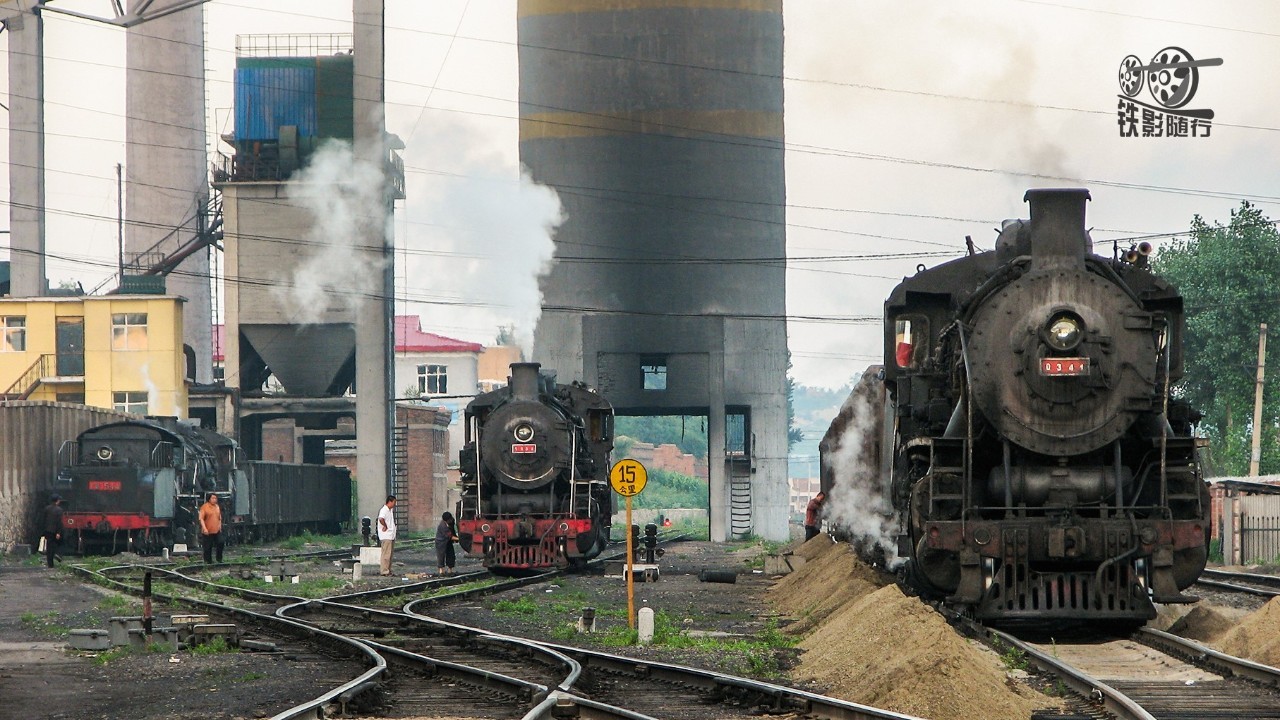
point(628, 477)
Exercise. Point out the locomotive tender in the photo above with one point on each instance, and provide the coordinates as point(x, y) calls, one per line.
point(535, 473)
point(138, 485)
point(1037, 467)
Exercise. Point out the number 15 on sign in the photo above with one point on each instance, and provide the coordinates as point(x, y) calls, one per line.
point(628, 477)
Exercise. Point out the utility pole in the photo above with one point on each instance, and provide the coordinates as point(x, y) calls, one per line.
point(1255, 454)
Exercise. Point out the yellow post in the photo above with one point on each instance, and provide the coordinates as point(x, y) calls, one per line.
point(631, 586)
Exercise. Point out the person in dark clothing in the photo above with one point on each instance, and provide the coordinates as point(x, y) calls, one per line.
point(446, 534)
point(51, 526)
point(813, 516)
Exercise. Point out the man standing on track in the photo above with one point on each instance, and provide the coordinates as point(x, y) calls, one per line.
point(51, 526)
point(211, 528)
point(387, 533)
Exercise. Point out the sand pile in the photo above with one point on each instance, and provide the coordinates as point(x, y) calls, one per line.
point(1256, 636)
point(830, 578)
point(1202, 623)
point(871, 644)
point(892, 651)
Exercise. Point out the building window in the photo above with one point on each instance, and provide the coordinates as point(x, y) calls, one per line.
point(130, 402)
point(129, 331)
point(433, 379)
point(77, 398)
point(653, 372)
point(14, 338)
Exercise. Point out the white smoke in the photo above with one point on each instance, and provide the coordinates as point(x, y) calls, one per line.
point(478, 234)
point(859, 501)
point(346, 197)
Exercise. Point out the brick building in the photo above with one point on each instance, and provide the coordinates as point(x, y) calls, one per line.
point(668, 457)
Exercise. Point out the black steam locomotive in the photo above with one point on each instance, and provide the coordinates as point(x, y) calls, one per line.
point(1033, 461)
point(137, 485)
point(535, 473)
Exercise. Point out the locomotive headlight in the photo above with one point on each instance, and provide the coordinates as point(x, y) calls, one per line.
point(524, 432)
point(1063, 332)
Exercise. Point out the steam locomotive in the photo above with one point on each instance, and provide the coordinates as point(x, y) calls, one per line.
point(137, 485)
point(1024, 443)
point(535, 473)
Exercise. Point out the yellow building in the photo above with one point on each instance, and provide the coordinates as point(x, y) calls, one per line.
point(122, 352)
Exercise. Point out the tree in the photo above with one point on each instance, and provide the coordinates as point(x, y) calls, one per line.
point(1229, 276)
point(794, 434)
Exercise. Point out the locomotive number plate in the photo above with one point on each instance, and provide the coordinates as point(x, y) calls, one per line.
point(524, 448)
point(108, 485)
point(1064, 366)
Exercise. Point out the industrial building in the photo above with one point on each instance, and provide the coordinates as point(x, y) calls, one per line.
point(660, 124)
point(117, 352)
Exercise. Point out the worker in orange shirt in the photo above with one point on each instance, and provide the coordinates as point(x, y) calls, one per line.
point(211, 528)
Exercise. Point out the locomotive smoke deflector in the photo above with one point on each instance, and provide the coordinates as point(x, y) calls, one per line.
point(1057, 225)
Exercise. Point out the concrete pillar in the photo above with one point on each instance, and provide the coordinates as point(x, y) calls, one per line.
point(166, 166)
point(26, 153)
point(717, 473)
point(373, 314)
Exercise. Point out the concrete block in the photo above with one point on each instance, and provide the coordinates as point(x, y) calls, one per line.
point(119, 628)
point(166, 637)
point(20, 550)
point(90, 639)
point(782, 564)
point(137, 639)
point(371, 556)
point(207, 631)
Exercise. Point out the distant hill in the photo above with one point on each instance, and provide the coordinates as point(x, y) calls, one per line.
point(815, 408)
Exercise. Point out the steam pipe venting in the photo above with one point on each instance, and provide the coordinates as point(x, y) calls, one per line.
point(1057, 223)
point(524, 380)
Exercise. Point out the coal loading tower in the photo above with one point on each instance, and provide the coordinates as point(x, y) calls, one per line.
point(660, 124)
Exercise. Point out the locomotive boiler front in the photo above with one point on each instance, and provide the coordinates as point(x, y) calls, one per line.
point(526, 444)
point(1062, 359)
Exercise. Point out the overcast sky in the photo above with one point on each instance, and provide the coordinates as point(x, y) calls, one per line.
point(909, 126)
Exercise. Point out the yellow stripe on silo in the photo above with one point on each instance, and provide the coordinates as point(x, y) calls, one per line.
point(566, 7)
point(679, 123)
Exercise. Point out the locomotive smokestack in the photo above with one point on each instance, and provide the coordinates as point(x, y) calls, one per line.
point(1057, 223)
point(524, 380)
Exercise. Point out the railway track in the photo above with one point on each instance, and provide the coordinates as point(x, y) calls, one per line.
point(1156, 676)
point(418, 665)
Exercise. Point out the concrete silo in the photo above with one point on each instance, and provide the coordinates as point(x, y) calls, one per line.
point(660, 124)
point(166, 166)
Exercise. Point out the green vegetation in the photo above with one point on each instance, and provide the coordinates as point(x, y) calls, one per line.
point(688, 432)
point(213, 647)
point(308, 586)
point(1229, 276)
point(1215, 551)
point(668, 489)
point(756, 656)
point(46, 624)
point(120, 605)
point(1012, 657)
point(524, 605)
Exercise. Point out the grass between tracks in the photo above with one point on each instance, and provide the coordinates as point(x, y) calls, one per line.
point(757, 655)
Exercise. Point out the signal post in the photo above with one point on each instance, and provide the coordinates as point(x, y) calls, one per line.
point(628, 478)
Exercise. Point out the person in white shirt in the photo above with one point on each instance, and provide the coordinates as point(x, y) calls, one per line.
point(387, 532)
